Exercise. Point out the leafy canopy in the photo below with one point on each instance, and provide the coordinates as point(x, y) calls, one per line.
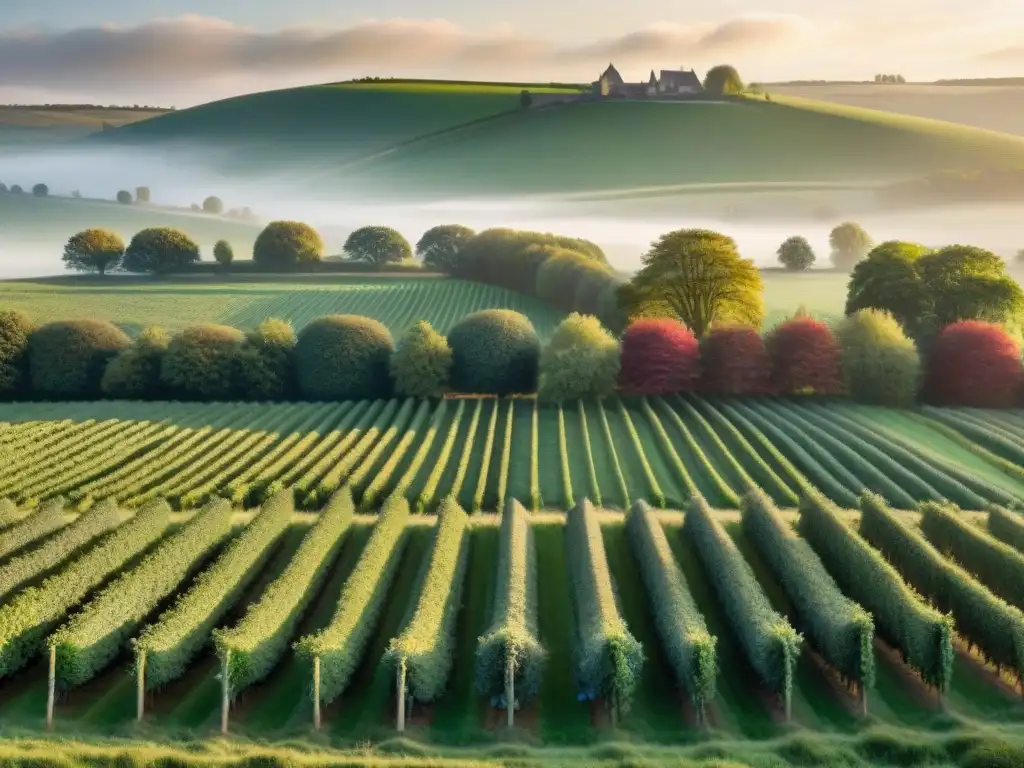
point(377, 245)
point(160, 250)
point(796, 254)
point(580, 360)
point(286, 244)
point(422, 363)
point(697, 276)
point(223, 253)
point(439, 247)
point(880, 365)
point(93, 250)
point(723, 80)
point(850, 243)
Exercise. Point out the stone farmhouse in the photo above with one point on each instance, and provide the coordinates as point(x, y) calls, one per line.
point(673, 82)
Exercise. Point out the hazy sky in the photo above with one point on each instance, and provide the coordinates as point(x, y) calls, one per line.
point(183, 52)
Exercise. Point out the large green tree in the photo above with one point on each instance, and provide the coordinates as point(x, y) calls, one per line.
point(699, 277)
point(440, 246)
point(796, 254)
point(888, 280)
point(93, 250)
point(377, 245)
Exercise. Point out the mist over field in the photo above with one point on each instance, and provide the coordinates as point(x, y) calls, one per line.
point(33, 232)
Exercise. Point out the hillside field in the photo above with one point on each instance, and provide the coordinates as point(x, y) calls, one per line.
point(22, 127)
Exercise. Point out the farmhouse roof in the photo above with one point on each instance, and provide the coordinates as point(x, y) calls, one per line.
point(674, 78)
point(653, 80)
point(613, 76)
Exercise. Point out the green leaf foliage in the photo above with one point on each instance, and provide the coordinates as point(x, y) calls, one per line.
point(96, 521)
point(377, 245)
point(135, 373)
point(171, 642)
point(998, 566)
point(67, 358)
point(284, 245)
point(427, 645)
point(796, 254)
point(494, 351)
point(888, 280)
point(223, 253)
point(48, 518)
point(340, 645)
point(160, 250)
point(1007, 526)
point(200, 362)
point(880, 365)
point(684, 635)
point(968, 283)
point(838, 628)
point(850, 243)
point(87, 643)
point(344, 357)
point(93, 250)
point(723, 80)
point(440, 246)
point(15, 330)
point(770, 644)
point(254, 645)
point(581, 360)
point(993, 627)
point(265, 364)
point(8, 512)
point(25, 620)
point(608, 657)
point(511, 642)
point(422, 363)
point(922, 635)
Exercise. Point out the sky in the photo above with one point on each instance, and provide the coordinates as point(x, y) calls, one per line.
point(182, 52)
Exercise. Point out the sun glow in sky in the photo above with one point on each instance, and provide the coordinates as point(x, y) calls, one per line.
point(183, 52)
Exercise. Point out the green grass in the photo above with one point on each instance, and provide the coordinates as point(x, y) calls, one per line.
point(397, 302)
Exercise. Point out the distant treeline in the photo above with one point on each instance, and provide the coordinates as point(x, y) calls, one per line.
point(76, 107)
point(412, 80)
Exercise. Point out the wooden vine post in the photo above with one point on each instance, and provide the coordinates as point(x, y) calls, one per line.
point(140, 687)
point(51, 685)
point(400, 694)
point(225, 693)
point(510, 693)
point(316, 692)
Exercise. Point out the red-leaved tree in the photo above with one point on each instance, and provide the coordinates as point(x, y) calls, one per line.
point(734, 361)
point(973, 363)
point(805, 358)
point(659, 356)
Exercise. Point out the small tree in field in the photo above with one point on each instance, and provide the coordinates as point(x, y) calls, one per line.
point(422, 363)
point(805, 358)
point(439, 247)
point(377, 245)
point(213, 205)
point(850, 243)
point(723, 80)
point(160, 250)
point(286, 245)
point(580, 360)
point(796, 254)
point(93, 250)
point(659, 356)
point(223, 253)
point(734, 361)
point(975, 364)
point(124, 197)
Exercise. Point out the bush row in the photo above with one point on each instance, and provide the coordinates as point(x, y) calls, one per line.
point(608, 657)
point(770, 644)
point(510, 647)
point(250, 649)
point(923, 636)
point(1007, 526)
point(25, 620)
point(25, 567)
point(92, 638)
point(164, 649)
point(340, 645)
point(993, 627)
point(48, 518)
point(425, 650)
point(688, 644)
point(838, 628)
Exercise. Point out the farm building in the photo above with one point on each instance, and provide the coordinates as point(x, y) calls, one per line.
point(672, 82)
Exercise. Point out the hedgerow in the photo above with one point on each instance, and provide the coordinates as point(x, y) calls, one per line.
point(923, 636)
point(608, 657)
point(1007, 526)
point(8, 512)
point(253, 646)
point(536, 500)
point(467, 448)
point(94, 636)
point(770, 644)
point(996, 565)
point(563, 457)
point(423, 653)
point(164, 648)
point(340, 645)
point(689, 645)
point(993, 627)
point(510, 647)
point(48, 518)
point(15, 331)
point(838, 628)
point(506, 453)
point(26, 619)
point(67, 359)
point(595, 485)
point(344, 357)
point(96, 521)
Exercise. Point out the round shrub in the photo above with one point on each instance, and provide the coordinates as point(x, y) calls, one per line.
point(734, 361)
point(973, 363)
point(213, 205)
point(659, 356)
point(805, 358)
point(377, 245)
point(135, 373)
point(266, 361)
point(15, 330)
point(223, 253)
point(580, 360)
point(17, 190)
point(880, 365)
point(200, 362)
point(124, 197)
point(40, 190)
point(494, 352)
point(723, 80)
point(287, 244)
point(160, 250)
point(422, 363)
point(344, 357)
point(67, 359)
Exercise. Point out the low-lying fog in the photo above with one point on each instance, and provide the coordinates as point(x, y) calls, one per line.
point(32, 233)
